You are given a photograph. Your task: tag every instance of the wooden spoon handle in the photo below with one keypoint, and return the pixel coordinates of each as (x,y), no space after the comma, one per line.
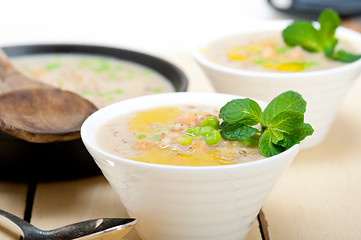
(6,68)
(12,78)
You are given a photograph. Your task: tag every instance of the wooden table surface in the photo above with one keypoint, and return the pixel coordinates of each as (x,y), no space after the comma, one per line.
(317,198)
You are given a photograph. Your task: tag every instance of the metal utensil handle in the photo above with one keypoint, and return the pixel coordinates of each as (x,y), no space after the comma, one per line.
(15,223)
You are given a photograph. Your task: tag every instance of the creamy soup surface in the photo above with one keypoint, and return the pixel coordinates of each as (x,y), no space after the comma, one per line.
(102,80)
(267,52)
(171,135)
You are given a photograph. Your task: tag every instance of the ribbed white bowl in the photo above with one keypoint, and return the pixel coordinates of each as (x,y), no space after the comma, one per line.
(186,203)
(323,90)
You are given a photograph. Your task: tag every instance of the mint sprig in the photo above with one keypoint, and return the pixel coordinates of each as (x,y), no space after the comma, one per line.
(302,33)
(282,122)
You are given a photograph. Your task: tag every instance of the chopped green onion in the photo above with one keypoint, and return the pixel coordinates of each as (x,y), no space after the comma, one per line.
(141,136)
(102,65)
(149,73)
(118,91)
(155,137)
(86,93)
(205,130)
(60,82)
(185,140)
(107,94)
(84,62)
(210,121)
(259,61)
(130,74)
(119,67)
(249,141)
(157,90)
(282,50)
(112,76)
(52,66)
(193,130)
(213,137)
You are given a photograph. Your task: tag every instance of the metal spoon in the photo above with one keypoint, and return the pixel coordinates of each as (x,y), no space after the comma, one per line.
(97,229)
(37,112)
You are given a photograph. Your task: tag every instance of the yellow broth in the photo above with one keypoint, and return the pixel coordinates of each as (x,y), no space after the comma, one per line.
(267,52)
(153,135)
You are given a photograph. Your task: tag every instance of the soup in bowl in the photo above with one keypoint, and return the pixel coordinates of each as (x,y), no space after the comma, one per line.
(103,80)
(201,187)
(254,61)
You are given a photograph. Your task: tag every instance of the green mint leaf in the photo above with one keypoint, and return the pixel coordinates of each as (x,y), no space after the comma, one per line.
(242,111)
(302,33)
(287,101)
(267,147)
(329,22)
(275,135)
(296,136)
(329,46)
(237,132)
(344,56)
(287,121)
(251,141)
(284,123)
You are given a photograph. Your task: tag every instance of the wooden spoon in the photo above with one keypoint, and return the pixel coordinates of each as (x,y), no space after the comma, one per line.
(37,112)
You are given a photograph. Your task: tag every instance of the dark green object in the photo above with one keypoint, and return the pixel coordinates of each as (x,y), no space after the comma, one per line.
(282,122)
(302,33)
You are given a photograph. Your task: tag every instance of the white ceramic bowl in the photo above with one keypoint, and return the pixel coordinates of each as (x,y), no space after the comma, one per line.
(323,90)
(180,202)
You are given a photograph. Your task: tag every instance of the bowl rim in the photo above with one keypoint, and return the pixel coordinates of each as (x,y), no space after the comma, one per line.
(145,59)
(260,26)
(86,132)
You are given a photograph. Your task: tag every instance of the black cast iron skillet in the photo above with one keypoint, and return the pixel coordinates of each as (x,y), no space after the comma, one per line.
(25,161)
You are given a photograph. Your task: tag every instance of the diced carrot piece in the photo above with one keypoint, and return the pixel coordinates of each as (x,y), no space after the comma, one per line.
(199,146)
(37,73)
(143,145)
(189,119)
